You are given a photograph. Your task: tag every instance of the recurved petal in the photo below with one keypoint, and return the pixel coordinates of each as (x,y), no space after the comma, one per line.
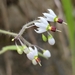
(40,30)
(43,20)
(35,51)
(49,17)
(46,14)
(52,12)
(41,25)
(37,24)
(30,55)
(31,49)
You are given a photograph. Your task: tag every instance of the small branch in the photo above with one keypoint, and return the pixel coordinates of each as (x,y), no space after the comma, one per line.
(26,26)
(14,35)
(13,47)
(25,41)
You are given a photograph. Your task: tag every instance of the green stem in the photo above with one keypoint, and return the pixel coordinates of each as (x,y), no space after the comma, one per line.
(7,32)
(14,35)
(40,54)
(12,47)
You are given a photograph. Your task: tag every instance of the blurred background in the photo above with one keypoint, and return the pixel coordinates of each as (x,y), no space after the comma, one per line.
(13,15)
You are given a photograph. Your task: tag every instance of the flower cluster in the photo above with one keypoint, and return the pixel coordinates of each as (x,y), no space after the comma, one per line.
(32,52)
(43,25)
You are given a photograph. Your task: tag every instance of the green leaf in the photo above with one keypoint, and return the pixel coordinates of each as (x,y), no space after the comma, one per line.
(44,38)
(71,26)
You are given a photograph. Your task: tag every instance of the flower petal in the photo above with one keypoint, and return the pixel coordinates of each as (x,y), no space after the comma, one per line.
(30,48)
(36,51)
(43,20)
(52,12)
(49,17)
(41,25)
(40,30)
(30,55)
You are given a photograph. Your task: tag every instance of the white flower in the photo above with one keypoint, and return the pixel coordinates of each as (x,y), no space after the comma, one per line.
(46,53)
(51,16)
(42,25)
(32,53)
(33,56)
(51,40)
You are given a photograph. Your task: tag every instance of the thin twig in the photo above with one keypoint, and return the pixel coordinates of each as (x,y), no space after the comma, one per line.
(14,35)
(26,26)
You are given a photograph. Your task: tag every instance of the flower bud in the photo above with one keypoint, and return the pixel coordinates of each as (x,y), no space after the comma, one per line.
(51,40)
(46,53)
